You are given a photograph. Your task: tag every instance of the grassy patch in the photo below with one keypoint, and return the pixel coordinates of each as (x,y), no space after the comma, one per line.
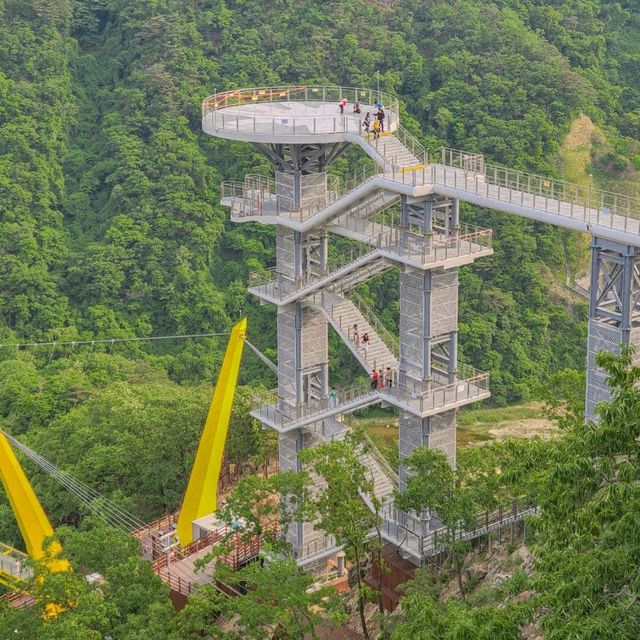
(474,425)
(485,424)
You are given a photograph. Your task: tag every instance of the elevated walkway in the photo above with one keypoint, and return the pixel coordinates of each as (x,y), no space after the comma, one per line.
(309,115)
(351,217)
(423,539)
(284,416)
(469,385)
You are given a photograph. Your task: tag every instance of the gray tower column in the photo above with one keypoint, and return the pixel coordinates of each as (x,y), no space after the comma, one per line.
(614,311)
(303,370)
(428,335)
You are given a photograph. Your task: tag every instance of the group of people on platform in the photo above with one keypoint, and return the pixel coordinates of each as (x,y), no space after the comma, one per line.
(380,379)
(377,127)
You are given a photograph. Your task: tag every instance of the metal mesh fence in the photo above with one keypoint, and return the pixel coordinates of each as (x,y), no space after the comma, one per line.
(602,337)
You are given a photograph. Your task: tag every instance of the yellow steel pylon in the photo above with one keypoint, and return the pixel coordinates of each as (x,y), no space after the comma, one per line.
(200,498)
(32,520)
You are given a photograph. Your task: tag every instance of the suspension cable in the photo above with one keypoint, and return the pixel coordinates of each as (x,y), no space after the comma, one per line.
(110,513)
(74,343)
(262,357)
(102,507)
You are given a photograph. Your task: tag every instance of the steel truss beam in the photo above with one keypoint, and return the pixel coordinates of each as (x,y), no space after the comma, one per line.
(305,158)
(614,311)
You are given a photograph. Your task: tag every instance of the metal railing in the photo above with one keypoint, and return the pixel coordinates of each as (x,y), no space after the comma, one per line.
(418,397)
(277,411)
(424,397)
(421,247)
(425,541)
(336,307)
(314,548)
(557,197)
(466,160)
(391,341)
(281,287)
(382,462)
(14,563)
(282,123)
(412,144)
(259,200)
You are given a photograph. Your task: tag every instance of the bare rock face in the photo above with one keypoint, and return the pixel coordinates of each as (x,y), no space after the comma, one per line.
(524,556)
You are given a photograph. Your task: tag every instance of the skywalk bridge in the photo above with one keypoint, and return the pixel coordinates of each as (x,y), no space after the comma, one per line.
(403,211)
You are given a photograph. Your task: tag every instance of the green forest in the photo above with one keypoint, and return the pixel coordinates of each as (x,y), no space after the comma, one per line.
(111,228)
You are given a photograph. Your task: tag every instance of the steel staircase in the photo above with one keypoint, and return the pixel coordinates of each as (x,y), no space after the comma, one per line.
(282,290)
(391,151)
(342,313)
(385,478)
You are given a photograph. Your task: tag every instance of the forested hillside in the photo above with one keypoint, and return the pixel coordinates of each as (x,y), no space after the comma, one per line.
(111,227)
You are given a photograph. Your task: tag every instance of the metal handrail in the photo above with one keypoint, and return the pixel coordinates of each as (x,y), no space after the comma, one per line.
(559,192)
(416,148)
(388,470)
(348,122)
(483,522)
(419,396)
(430,395)
(258,181)
(285,412)
(14,563)
(282,286)
(392,342)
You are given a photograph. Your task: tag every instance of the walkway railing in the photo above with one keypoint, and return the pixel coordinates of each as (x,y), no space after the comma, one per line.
(315,548)
(469,385)
(13,564)
(424,248)
(269,408)
(392,342)
(528,189)
(260,198)
(426,397)
(383,463)
(282,123)
(428,542)
(281,287)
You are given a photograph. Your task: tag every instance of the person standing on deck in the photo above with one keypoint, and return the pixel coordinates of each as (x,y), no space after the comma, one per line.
(374,379)
(380,380)
(366,123)
(380,116)
(389,378)
(343,105)
(376,129)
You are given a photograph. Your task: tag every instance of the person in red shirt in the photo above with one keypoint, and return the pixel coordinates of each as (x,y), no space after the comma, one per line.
(374,379)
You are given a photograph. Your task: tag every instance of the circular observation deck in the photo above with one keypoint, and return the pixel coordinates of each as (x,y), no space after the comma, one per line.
(296,115)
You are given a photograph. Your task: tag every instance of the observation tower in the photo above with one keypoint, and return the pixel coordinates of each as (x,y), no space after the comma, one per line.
(401,209)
